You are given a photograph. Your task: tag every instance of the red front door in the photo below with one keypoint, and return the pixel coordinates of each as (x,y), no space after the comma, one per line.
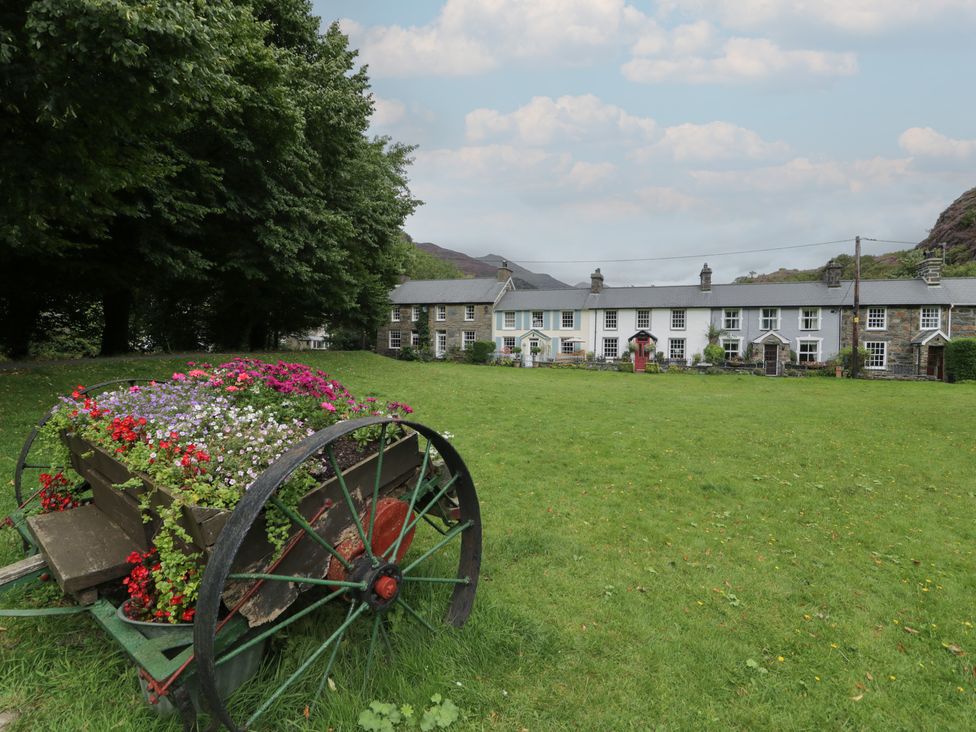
(641,354)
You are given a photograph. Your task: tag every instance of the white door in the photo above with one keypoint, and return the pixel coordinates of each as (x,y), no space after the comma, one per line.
(440,347)
(527,355)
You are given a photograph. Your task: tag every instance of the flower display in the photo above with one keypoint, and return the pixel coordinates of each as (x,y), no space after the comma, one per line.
(205,435)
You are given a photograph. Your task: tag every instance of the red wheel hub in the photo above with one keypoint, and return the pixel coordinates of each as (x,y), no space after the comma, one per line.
(391,515)
(385,587)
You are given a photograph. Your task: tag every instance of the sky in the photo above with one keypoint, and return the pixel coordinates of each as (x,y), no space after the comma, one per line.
(566,134)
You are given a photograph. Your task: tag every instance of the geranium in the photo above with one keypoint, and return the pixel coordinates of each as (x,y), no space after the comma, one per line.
(146,602)
(56,493)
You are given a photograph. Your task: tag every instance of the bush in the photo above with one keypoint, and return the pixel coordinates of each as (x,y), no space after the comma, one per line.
(714,353)
(845,357)
(652,368)
(481,351)
(407,354)
(960,357)
(625,366)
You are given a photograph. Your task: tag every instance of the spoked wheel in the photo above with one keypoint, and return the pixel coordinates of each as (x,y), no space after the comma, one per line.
(35,459)
(400,531)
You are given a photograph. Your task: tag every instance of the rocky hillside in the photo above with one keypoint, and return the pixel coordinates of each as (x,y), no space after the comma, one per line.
(956,227)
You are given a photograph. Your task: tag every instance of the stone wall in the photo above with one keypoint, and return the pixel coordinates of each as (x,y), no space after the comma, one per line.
(454,324)
(964,322)
(902,326)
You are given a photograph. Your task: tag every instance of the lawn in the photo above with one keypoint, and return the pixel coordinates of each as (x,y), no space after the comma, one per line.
(661,552)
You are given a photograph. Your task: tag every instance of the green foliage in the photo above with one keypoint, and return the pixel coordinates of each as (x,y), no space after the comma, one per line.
(420,265)
(846,360)
(440,715)
(960,356)
(714,353)
(480,351)
(386,717)
(625,365)
(652,367)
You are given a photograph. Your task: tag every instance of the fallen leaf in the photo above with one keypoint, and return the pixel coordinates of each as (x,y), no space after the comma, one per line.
(306,712)
(909,630)
(953,648)
(857,698)
(868,676)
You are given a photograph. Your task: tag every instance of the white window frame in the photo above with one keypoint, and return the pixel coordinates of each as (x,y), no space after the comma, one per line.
(468,337)
(879,323)
(441,313)
(801,324)
(538,318)
(395,340)
(508,320)
(732,319)
(415,313)
(414,338)
(679,319)
(871,347)
(673,344)
(927,310)
(510,343)
(469,312)
(643,319)
(610,316)
(440,342)
(395,314)
(563,318)
(568,347)
(737,342)
(799,349)
(763,319)
(616,347)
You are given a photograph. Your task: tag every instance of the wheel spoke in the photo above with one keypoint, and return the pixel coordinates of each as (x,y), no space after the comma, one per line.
(376,483)
(372,648)
(449,536)
(413,501)
(434,526)
(433,501)
(274,629)
(416,616)
(332,658)
(296,580)
(306,663)
(349,502)
(300,521)
(439,580)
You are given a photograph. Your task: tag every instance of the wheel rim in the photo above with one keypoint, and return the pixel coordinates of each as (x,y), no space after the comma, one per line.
(380,578)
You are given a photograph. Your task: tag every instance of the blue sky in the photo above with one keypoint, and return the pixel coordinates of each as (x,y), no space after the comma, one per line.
(604,130)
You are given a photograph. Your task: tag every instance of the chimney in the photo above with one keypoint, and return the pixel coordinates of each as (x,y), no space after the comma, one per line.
(930,268)
(706,279)
(831,275)
(596,282)
(504,271)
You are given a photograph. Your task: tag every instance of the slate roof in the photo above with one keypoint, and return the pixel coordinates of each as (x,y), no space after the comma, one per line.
(955,291)
(442,292)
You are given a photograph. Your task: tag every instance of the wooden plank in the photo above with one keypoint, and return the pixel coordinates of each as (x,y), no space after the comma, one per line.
(121,509)
(82,547)
(17,570)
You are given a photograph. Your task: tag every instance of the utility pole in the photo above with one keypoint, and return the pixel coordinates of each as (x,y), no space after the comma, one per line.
(855,336)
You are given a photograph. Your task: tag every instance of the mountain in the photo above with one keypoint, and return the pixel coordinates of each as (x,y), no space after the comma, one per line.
(487,266)
(956,228)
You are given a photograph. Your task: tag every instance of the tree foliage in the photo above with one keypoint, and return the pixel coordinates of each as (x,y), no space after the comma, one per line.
(200,170)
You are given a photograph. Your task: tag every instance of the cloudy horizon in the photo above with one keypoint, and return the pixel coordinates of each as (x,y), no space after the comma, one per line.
(559,131)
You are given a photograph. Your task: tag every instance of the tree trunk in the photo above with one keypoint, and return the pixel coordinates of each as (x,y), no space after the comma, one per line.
(22,312)
(116,307)
(258,339)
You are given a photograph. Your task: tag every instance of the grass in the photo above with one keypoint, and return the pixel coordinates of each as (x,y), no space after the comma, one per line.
(661,552)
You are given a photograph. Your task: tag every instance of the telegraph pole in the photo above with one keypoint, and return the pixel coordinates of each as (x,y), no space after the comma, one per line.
(855,336)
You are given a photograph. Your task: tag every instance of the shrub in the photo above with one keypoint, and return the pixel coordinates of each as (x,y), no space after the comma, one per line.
(481,351)
(845,357)
(714,353)
(961,359)
(625,366)
(652,368)
(696,359)
(407,354)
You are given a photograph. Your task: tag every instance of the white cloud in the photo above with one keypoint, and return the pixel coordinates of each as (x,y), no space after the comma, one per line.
(926,142)
(850,16)
(509,163)
(741,60)
(473,36)
(545,120)
(585,175)
(711,142)
(387,112)
(804,174)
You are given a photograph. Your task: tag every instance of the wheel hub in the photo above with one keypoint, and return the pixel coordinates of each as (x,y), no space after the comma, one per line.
(382,583)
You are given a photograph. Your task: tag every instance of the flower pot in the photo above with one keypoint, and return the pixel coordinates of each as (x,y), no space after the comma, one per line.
(230,675)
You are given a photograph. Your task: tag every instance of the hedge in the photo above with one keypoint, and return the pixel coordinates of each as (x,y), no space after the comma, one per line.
(961,359)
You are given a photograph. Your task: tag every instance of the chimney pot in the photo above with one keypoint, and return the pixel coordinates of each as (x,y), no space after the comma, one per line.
(706,278)
(832,274)
(930,268)
(504,271)
(596,282)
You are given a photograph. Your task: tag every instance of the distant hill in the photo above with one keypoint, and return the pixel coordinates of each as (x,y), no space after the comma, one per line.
(487,266)
(955,227)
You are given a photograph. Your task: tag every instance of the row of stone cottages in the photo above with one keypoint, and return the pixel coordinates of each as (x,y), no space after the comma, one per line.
(905,323)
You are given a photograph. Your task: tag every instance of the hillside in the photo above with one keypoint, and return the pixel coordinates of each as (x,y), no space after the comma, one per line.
(955,227)
(487,266)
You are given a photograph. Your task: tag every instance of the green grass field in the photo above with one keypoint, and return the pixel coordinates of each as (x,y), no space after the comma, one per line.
(661,552)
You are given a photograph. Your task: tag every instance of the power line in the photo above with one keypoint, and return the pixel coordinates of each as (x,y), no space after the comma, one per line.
(888,241)
(683,256)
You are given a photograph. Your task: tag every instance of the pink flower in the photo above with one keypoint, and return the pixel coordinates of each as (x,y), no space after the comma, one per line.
(232,388)
(134,389)
(179,377)
(328,406)
(198,373)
